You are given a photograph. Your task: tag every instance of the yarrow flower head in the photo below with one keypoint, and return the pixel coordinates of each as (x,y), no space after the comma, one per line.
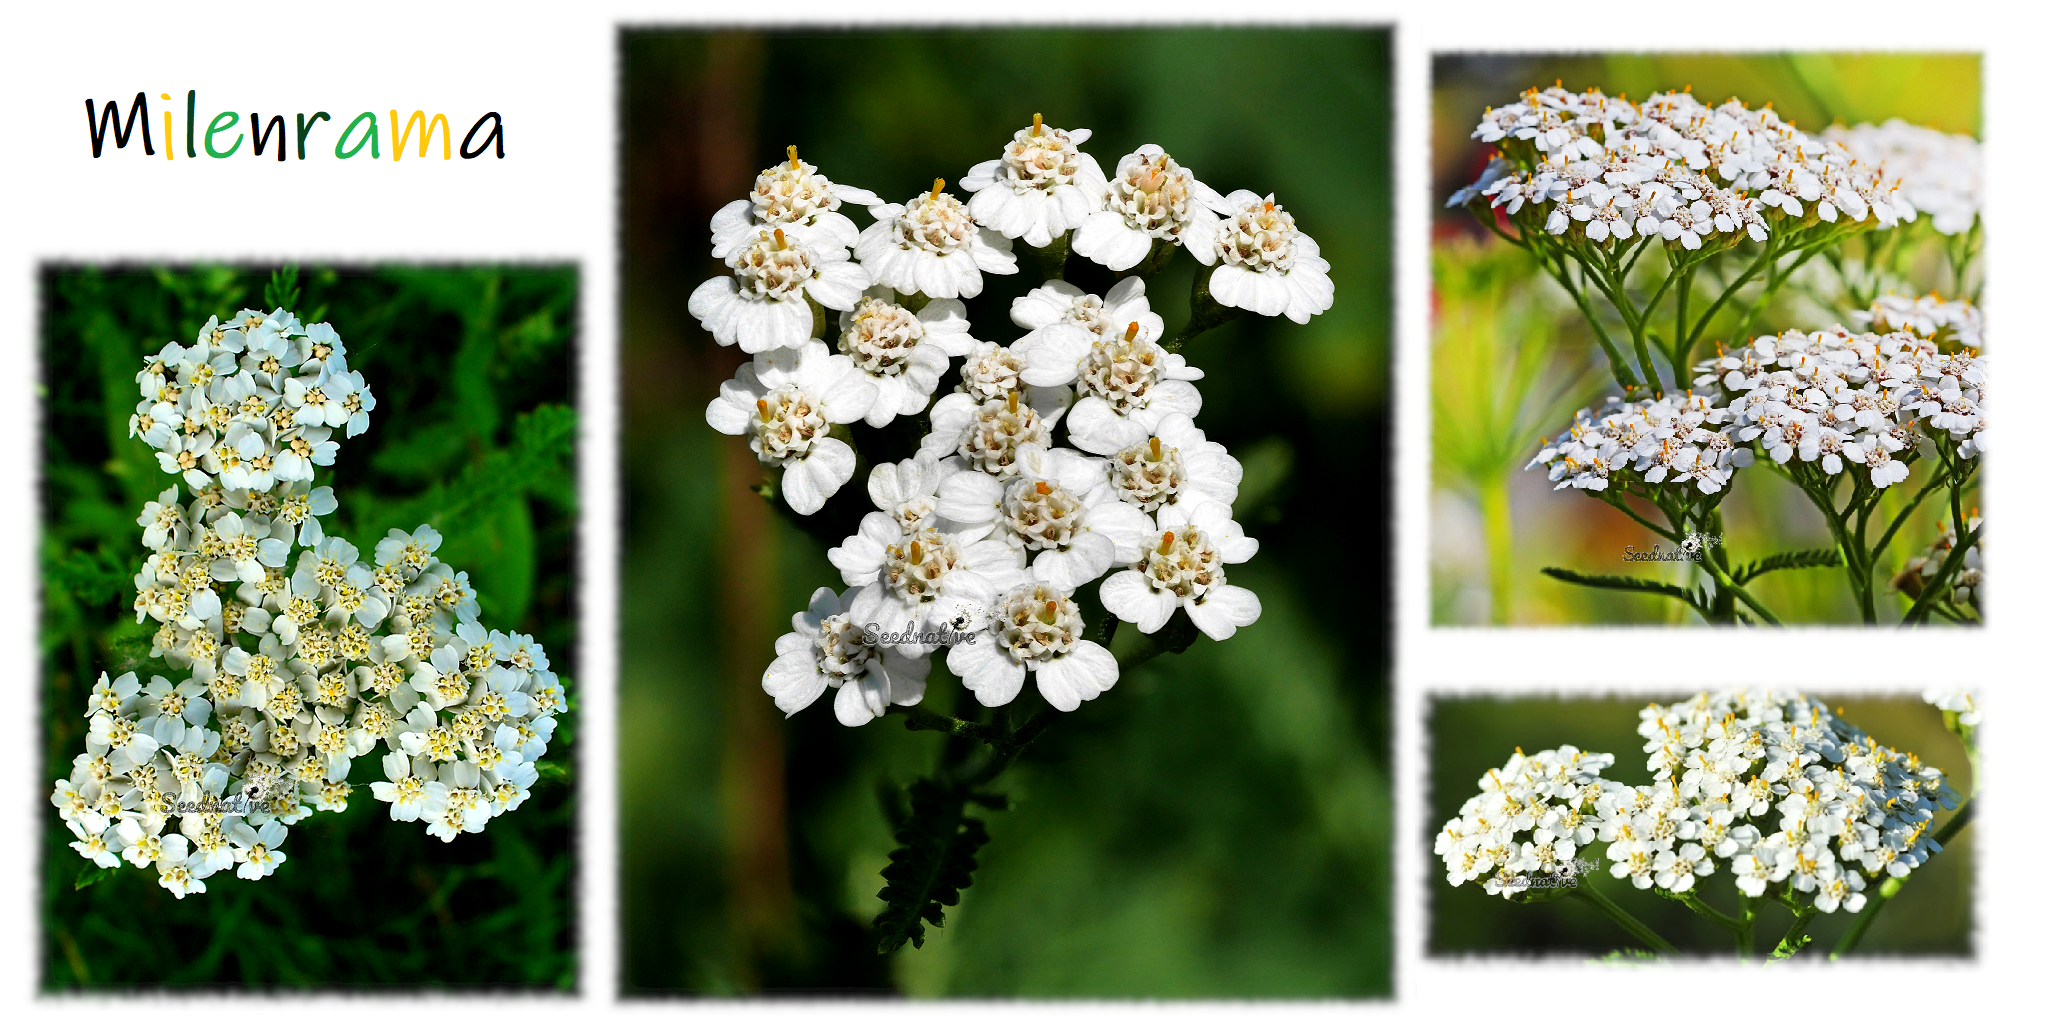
(1265,264)
(1697,177)
(786,402)
(903,353)
(832,644)
(1533,815)
(1041,187)
(794,196)
(296,655)
(1151,201)
(1066,456)
(762,306)
(1677,440)
(931,245)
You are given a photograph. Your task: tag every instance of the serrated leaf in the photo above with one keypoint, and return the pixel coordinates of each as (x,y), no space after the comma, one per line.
(1623,583)
(935,860)
(92,874)
(1788,561)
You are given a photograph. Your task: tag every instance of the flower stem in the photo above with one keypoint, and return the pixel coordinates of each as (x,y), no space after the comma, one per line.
(1587,893)
(1205,313)
(1793,940)
(1725,921)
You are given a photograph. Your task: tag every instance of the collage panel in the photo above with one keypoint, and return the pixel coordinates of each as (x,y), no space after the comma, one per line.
(1707,344)
(308,627)
(1006,386)
(1763,823)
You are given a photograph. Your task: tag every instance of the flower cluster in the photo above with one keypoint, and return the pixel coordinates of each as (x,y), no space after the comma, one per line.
(297,655)
(1602,168)
(1530,819)
(1765,784)
(1835,400)
(1065,456)
(1677,439)
(1940,172)
(1840,400)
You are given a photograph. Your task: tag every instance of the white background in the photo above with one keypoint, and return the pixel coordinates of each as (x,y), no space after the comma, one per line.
(554,77)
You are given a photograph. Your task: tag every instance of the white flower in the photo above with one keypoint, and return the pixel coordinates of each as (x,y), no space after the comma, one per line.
(903,353)
(826,648)
(763,305)
(1185,569)
(1125,382)
(1055,509)
(1057,303)
(795,197)
(987,435)
(1266,265)
(256,849)
(925,579)
(904,494)
(1176,467)
(1041,187)
(1036,628)
(992,372)
(1150,198)
(931,245)
(785,401)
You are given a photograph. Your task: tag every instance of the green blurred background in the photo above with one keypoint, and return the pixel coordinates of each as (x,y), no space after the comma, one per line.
(1218,824)
(472,368)
(1932,915)
(1513,358)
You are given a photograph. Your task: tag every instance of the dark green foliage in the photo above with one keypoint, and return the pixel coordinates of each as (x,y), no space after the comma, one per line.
(933,863)
(474,432)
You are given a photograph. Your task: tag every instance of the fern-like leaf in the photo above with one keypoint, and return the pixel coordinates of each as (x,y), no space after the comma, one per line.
(1623,583)
(1828,558)
(934,862)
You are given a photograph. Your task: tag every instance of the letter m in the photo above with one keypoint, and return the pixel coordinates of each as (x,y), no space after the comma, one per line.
(97,123)
(427,132)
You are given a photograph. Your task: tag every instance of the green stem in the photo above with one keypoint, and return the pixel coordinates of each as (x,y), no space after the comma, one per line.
(1619,369)
(1205,313)
(1793,940)
(1696,903)
(1682,343)
(1587,893)
(1767,256)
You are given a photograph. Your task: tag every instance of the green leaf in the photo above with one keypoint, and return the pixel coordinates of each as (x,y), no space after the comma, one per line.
(933,863)
(93,873)
(1825,558)
(1625,584)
